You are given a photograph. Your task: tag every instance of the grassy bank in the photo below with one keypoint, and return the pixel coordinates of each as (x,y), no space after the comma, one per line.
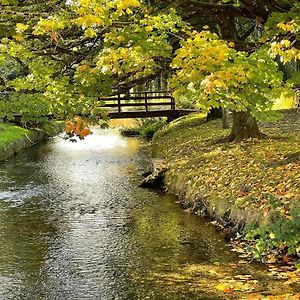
(15,138)
(252,187)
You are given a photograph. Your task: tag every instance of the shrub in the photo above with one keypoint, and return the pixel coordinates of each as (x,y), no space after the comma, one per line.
(147,127)
(282,234)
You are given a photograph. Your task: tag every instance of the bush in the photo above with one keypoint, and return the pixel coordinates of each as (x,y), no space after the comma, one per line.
(282,234)
(147,127)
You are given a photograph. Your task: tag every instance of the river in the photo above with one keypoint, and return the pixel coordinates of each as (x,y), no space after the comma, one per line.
(75,225)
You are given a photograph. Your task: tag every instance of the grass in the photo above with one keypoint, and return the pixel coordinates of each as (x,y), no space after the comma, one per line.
(10,133)
(15,138)
(144,127)
(249,185)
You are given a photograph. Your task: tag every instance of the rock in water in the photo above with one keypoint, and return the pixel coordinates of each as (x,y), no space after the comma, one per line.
(157,177)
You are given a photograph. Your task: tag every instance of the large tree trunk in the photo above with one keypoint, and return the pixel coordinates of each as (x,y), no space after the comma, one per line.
(214,114)
(244,126)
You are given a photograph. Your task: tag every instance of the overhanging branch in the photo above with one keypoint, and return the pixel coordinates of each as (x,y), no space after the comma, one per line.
(202,8)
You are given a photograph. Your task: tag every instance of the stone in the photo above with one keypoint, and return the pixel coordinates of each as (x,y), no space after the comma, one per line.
(154,180)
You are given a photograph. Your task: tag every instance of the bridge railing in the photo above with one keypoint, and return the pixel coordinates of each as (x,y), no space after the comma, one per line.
(146,101)
(143,104)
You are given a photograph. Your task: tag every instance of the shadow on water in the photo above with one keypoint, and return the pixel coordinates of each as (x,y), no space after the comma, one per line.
(74,225)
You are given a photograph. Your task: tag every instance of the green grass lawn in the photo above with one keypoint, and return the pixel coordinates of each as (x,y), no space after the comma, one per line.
(9,133)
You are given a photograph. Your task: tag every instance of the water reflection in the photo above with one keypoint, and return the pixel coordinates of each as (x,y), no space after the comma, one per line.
(123,123)
(74,225)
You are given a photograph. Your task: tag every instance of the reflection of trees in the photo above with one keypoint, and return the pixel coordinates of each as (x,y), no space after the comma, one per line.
(167,242)
(26,234)
(166,234)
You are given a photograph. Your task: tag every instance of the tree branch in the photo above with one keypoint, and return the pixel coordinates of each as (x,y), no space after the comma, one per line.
(212,9)
(121,88)
(247,33)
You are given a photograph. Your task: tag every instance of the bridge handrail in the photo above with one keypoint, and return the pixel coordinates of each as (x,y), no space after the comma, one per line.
(142,99)
(167,92)
(135,98)
(139,99)
(153,92)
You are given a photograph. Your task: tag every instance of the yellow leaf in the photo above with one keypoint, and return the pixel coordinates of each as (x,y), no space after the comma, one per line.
(289,195)
(125,4)
(98,10)
(123,53)
(19,37)
(224,288)
(21,27)
(85,3)
(90,32)
(286,43)
(286,27)
(121,38)
(149,28)
(272,236)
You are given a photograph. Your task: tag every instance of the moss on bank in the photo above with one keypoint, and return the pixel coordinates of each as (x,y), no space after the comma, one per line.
(253,186)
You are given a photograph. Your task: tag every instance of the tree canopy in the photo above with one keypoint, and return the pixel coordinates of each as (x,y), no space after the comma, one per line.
(59,57)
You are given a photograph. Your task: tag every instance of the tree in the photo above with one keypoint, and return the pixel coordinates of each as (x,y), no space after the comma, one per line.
(225,16)
(212,73)
(85,50)
(65,60)
(283,35)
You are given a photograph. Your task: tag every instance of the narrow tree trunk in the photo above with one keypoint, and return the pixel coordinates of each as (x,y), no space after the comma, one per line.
(214,114)
(244,126)
(225,119)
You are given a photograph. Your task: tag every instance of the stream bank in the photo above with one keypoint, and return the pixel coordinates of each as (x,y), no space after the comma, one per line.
(251,187)
(14,139)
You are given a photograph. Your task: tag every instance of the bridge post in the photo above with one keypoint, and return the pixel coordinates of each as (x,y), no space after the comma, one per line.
(174,114)
(119,103)
(173,106)
(146,102)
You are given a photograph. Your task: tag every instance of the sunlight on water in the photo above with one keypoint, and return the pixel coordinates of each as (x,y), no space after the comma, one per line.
(99,140)
(91,164)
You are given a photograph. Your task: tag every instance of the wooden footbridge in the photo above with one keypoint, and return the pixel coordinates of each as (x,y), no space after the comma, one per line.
(138,105)
(143,105)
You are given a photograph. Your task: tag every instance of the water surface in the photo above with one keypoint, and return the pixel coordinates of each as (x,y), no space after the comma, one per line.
(75,225)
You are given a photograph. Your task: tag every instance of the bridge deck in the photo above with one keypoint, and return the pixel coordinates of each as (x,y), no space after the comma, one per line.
(150,114)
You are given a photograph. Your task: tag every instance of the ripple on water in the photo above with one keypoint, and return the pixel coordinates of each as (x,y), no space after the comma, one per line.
(74,225)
